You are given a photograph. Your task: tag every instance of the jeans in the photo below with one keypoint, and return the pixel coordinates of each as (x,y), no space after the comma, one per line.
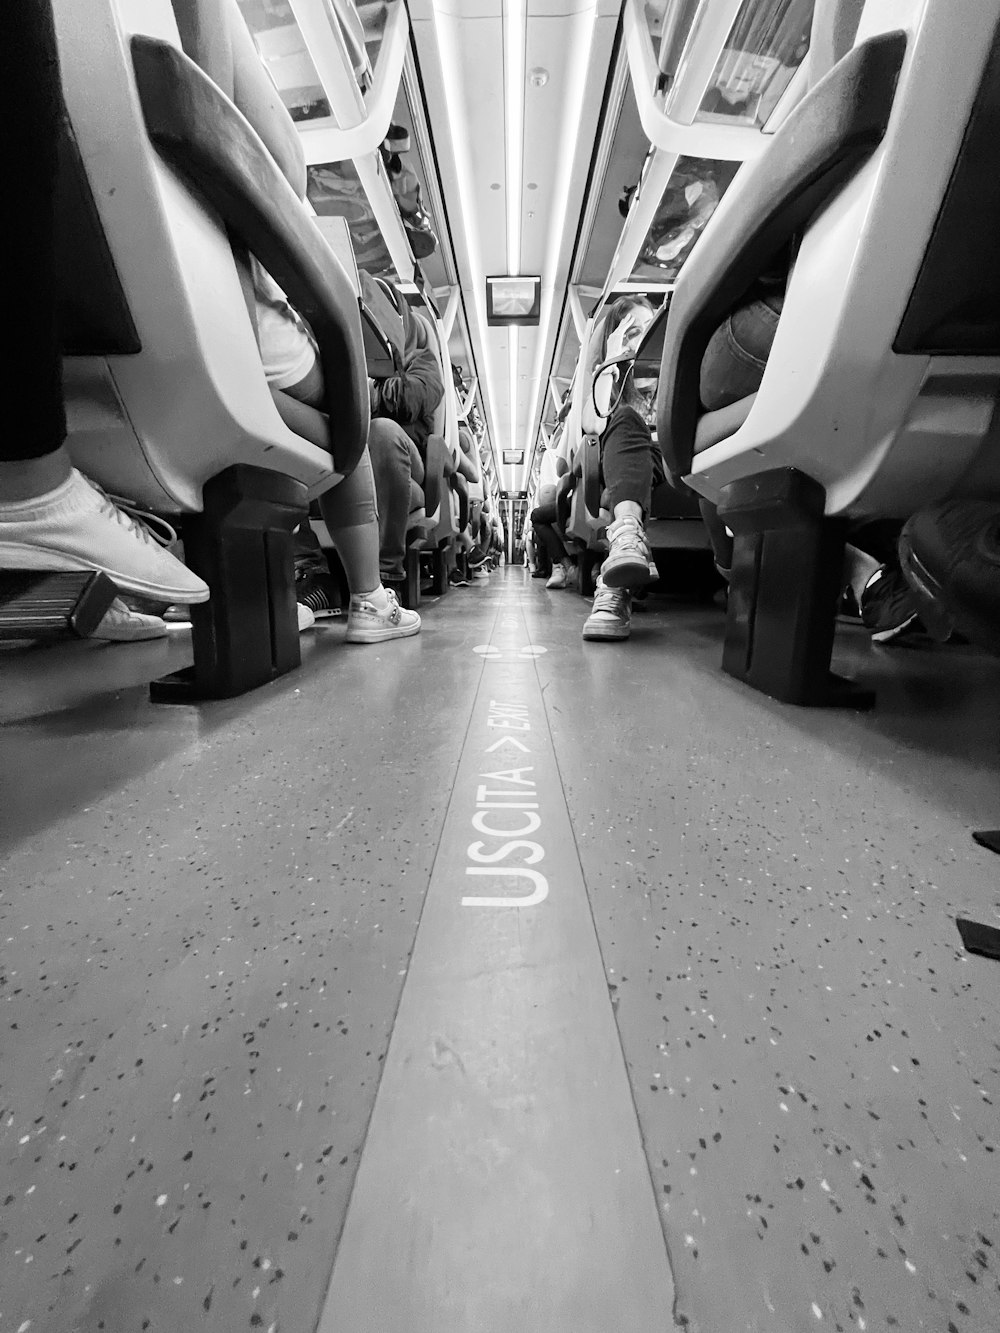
(732,368)
(734,361)
(31,360)
(631,467)
(399,473)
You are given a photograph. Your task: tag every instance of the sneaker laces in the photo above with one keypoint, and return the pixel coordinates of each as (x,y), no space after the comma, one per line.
(136,520)
(613,600)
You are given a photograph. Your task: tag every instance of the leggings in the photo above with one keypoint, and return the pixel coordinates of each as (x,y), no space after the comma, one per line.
(30,109)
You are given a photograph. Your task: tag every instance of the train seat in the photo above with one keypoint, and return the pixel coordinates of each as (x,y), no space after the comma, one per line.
(881,388)
(166,190)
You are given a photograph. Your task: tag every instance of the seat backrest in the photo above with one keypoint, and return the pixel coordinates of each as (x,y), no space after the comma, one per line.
(470,467)
(446,413)
(155,415)
(884,374)
(583,417)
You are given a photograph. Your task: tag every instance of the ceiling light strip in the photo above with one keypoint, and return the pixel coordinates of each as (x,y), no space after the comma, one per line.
(514,28)
(463,211)
(512,358)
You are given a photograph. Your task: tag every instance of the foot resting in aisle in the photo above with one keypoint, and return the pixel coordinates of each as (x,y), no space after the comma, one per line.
(76,526)
(611,616)
(376,616)
(563,574)
(950,557)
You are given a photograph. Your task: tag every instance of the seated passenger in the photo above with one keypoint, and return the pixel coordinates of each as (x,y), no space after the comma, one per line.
(631,466)
(51,517)
(403,407)
(731,369)
(548,532)
(950,558)
(288,349)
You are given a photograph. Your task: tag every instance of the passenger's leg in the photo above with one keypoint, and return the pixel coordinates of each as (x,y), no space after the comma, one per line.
(627,468)
(351,514)
(50,516)
(950,556)
(389,447)
(734,361)
(30,366)
(871,569)
(543,521)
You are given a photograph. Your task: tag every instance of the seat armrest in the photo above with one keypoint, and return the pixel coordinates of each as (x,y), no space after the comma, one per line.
(435,472)
(825,139)
(590,468)
(379,360)
(211,144)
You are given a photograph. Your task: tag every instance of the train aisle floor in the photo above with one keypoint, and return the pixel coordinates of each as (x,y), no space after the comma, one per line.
(491,980)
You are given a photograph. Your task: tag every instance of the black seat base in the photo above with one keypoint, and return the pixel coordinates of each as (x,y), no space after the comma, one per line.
(784,590)
(988,838)
(46,604)
(440,565)
(241,544)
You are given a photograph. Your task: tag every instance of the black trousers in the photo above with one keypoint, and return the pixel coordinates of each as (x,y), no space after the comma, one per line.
(30,108)
(543,520)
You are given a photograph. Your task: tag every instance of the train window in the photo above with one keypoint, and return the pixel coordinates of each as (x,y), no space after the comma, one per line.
(691,197)
(283,51)
(767,44)
(373,16)
(335,190)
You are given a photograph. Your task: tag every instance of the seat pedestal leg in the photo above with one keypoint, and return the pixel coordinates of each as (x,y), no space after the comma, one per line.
(783,593)
(439,571)
(242,545)
(411,585)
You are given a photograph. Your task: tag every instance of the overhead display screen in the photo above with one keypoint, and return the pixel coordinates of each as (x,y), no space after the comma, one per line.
(513,300)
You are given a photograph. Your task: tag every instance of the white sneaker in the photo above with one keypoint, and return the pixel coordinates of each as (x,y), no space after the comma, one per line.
(480,575)
(611,616)
(123,625)
(76,526)
(627,564)
(367,624)
(307,618)
(557,579)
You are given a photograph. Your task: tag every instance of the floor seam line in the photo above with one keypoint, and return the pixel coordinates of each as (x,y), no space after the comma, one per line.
(600,950)
(399,999)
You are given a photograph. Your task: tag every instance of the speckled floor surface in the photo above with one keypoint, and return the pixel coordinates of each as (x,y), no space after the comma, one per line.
(207,916)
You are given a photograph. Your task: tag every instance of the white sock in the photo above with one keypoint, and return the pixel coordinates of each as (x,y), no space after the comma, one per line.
(378,598)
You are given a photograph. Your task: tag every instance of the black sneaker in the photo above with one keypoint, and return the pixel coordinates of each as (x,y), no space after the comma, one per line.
(888,610)
(950,557)
(319,594)
(458,579)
